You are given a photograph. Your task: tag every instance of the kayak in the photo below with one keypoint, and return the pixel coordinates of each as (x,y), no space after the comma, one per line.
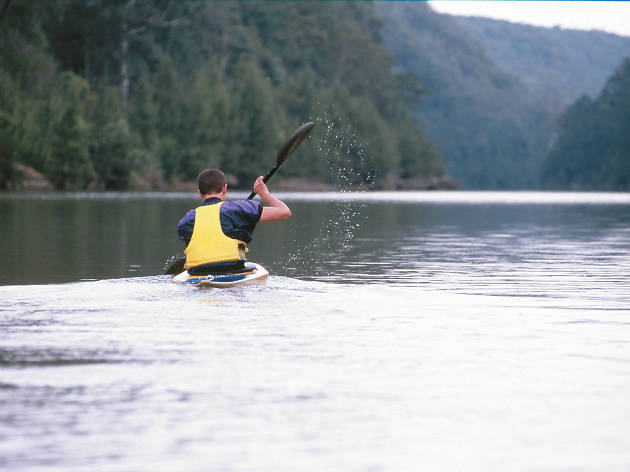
(251,273)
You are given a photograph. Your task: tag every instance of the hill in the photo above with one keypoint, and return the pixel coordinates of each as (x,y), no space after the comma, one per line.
(110,95)
(494,89)
(592,151)
(558,64)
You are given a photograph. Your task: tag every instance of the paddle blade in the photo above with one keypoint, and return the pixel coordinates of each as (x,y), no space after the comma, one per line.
(175,267)
(293,142)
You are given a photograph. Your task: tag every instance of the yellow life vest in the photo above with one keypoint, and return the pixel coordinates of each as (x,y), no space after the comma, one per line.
(208,243)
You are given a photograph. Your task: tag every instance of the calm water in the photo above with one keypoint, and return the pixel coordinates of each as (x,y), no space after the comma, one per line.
(397,332)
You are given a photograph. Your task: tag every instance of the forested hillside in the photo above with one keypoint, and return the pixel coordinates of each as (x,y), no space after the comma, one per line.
(117,94)
(592,151)
(557,64)
(142,94)
(495,89)
(490,128)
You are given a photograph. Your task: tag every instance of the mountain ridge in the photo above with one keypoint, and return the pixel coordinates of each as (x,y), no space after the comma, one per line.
(495,122)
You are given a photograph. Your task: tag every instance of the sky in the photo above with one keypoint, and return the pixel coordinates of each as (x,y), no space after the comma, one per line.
(609,16)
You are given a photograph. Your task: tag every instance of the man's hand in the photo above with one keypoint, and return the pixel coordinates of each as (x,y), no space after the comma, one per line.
(276,209)
(260,187)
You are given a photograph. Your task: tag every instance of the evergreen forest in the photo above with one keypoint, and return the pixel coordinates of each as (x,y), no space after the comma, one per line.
(592,151)
(140,94)
(118,94)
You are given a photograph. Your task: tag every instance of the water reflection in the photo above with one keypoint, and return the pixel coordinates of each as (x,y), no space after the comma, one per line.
(401,238)
(459,247)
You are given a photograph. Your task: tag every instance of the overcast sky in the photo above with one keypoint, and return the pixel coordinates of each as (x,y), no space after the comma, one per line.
(613,17)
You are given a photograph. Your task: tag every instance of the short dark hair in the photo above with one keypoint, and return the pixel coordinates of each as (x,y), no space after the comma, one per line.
(211,181)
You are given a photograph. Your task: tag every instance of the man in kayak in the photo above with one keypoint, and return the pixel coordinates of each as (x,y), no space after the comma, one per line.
(216,233)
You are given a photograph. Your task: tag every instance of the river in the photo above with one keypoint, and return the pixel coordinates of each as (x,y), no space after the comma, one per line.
(396,332)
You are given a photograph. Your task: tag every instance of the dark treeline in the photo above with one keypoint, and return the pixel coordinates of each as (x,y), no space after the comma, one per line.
(119,94)
(592,151)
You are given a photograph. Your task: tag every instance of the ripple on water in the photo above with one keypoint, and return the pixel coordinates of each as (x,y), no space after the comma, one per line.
(421,344)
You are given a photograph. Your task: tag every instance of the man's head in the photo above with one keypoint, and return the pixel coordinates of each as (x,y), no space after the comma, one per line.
(211,181)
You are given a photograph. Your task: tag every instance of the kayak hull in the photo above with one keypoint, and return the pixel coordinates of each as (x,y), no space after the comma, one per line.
(254,274)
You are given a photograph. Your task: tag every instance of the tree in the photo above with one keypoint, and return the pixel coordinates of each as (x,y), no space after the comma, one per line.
(167,99)
(110,142)
(255,123)
(418,156)
(592,150)
(8,130)
(69,167)
(205,140)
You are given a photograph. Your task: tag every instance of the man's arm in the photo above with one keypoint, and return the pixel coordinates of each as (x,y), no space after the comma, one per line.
(275,210)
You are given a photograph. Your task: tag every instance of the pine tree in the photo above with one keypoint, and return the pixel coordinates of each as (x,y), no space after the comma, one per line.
(110,141)
(69,167)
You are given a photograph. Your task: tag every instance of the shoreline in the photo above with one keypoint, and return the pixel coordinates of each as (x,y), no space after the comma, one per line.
(34,181)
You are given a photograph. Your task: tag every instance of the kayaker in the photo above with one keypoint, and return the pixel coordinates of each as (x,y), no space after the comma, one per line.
(216,234)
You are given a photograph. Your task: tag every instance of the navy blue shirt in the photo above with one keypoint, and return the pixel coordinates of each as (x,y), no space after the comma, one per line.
(238,219)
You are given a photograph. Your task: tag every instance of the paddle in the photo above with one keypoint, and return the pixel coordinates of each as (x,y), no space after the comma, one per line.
(299,135)
(285,151)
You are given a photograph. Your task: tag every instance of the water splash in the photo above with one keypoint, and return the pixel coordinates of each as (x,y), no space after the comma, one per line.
(349,169)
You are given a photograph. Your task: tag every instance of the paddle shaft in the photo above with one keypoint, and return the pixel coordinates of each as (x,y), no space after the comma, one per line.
(265,179)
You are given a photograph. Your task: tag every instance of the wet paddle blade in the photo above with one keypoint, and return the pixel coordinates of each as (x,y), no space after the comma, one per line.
(176,267)
(293,142)
(291,145)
